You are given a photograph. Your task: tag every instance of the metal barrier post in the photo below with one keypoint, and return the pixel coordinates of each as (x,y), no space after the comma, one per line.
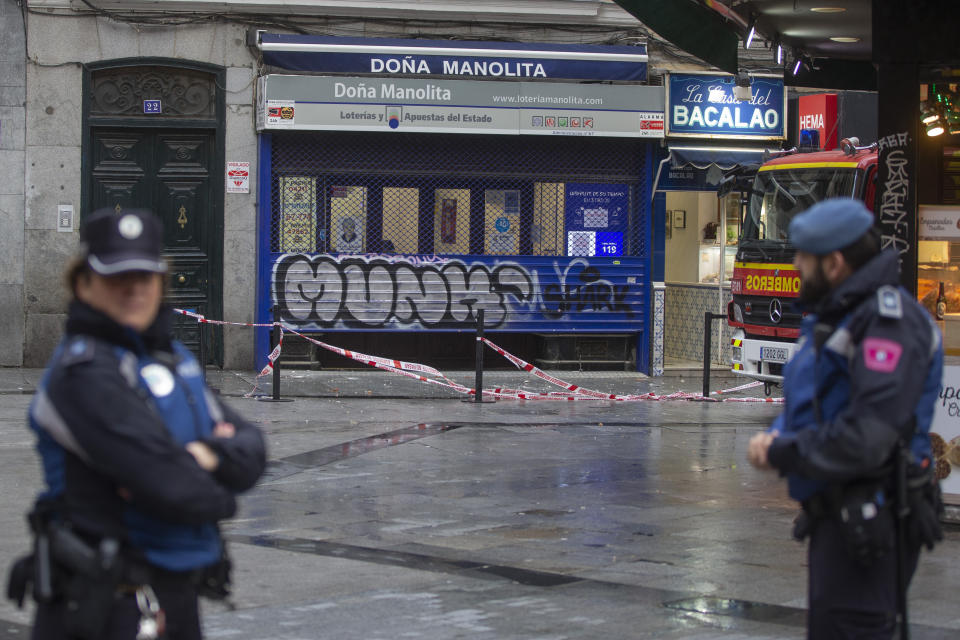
(275,340)
(203,349)
(276,363)
(478,360)
(707,347)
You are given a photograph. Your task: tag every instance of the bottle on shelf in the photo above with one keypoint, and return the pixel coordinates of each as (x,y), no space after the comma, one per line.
(941,303)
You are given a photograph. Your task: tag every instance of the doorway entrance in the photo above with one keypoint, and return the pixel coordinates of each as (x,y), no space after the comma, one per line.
(154,141)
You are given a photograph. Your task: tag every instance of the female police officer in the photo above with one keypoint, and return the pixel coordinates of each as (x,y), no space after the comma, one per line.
(140,459)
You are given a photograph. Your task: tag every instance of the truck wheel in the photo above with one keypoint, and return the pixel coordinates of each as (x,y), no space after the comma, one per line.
(768,389)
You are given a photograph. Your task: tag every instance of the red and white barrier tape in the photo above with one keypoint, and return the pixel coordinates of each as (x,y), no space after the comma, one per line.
(415,370)
(268,368)
(580,392)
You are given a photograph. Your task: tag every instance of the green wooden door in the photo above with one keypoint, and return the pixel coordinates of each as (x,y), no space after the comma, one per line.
(169,172)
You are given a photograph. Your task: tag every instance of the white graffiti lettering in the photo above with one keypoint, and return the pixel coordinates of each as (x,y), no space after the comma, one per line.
(396,257)
(894,220)
(370,291)
(364,292)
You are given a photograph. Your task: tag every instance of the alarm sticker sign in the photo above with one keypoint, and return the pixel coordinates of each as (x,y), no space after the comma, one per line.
(238,177)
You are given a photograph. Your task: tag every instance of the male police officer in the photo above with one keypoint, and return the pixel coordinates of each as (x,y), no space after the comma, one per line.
(860,392)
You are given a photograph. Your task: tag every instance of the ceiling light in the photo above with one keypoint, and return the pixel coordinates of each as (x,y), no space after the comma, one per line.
(935,128)
(828,9)
(845,39)
(779,57)
(928,113)
(953,124)
(750,34)
(798,64)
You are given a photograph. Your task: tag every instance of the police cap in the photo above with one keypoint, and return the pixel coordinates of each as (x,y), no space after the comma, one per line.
(830,225)
(121,241)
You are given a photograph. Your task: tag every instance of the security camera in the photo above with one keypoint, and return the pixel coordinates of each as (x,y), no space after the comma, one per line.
(741,90)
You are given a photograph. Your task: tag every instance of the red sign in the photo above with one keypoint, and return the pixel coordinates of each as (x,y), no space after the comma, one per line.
(651,125)
(238,176)
(767,280)
(820,112)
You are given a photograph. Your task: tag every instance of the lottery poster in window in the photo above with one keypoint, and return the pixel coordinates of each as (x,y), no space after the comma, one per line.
(546,231)
(451,221)
(298,214)
(502,221)
(598,211)
(448,221)
(348,218)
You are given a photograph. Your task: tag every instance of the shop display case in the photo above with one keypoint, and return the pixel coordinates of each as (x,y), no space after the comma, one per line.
(938,269)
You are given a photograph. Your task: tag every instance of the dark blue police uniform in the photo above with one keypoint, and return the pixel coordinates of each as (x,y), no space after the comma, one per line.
(865,377)
(112,415)
(123,419)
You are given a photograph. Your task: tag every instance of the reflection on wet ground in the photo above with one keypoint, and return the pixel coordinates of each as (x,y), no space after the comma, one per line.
(664,514)
(416,561)
(360,446)
(441,520)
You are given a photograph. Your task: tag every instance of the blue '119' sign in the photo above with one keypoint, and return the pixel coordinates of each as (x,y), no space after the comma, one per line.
(703,105)
(596,218)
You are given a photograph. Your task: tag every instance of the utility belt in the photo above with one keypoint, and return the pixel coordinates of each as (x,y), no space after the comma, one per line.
(869,511)
(88,576)
(864,512)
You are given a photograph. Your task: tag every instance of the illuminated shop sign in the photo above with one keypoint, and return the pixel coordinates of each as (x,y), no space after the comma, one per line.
(703,106)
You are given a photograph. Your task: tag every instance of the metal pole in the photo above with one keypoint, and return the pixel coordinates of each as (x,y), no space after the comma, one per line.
(478,383)
(707,347)
(275,340)
(478,362)
(707,339)
(201,326)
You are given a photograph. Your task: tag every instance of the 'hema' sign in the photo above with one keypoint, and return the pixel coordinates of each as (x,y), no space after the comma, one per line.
(703,106)
(820,112)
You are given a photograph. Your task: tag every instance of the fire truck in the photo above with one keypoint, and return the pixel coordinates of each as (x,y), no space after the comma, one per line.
(764,321)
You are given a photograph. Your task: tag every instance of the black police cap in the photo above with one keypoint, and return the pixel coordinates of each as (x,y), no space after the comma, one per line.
(119,242)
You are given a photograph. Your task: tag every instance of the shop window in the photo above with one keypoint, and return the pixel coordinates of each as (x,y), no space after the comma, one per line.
(546,233)
(730,208)
(401,206)
(698,238)
(451,221)
(502,222)
(298,214)
(457,195)
(938,253)
(348,218)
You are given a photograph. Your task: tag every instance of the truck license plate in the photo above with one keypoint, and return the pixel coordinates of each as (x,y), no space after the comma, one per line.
(773,354)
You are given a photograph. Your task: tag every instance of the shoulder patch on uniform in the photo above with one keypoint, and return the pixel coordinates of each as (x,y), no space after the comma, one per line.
(889,303)
(881,355)
(78,349)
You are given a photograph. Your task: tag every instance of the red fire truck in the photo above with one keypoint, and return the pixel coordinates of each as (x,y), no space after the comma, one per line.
(765,285)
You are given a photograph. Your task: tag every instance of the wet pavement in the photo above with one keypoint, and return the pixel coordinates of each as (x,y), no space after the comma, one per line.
(424,517)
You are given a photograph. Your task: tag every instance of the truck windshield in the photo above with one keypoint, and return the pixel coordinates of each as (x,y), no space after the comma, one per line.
(780,194)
